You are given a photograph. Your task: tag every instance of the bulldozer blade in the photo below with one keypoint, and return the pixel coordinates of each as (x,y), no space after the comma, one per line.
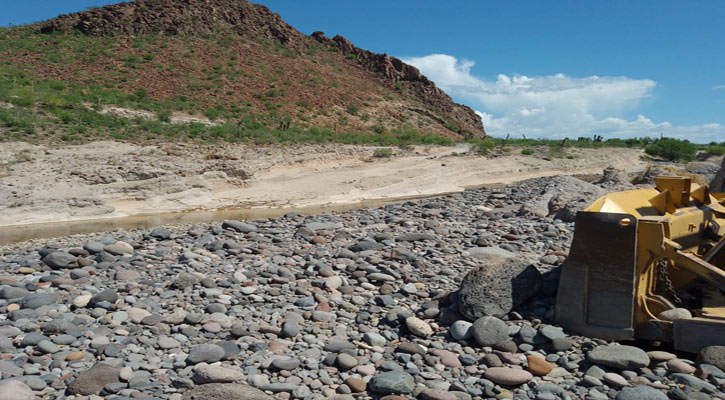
(597,286)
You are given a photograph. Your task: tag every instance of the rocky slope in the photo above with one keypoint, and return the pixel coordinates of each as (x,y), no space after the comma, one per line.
(227,53)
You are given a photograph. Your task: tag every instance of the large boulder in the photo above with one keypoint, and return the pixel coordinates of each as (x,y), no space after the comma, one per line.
(497,287)
(718,183)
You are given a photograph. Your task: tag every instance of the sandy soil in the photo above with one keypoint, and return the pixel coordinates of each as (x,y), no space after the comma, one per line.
(112,179)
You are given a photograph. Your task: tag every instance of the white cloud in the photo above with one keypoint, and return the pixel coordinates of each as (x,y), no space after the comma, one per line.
(718,87)
(556,106)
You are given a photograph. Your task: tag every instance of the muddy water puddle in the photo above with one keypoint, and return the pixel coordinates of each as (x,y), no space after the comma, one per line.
(10,234)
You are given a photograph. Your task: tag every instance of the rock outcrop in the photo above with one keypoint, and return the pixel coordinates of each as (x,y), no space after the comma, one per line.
(461,117)
(718,183)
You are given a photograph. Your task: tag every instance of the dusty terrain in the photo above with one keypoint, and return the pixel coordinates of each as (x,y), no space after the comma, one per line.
(42,183)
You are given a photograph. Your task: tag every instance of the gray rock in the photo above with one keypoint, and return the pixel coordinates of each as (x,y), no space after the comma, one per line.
(239,226)
(94,247)
(496,288)
(160,233)
(118,248)
(37,300)
(287,364)
(695,383)
(208,353)
(461,330)
(552,332)
(12,292)
(618,356)
(225,391)
(392,382)
(374,339)
(324,226)
(641,392)
(60,260)
(48,347)
(490,254)
(488,331)
(365,245)
(94,379)
(107,295)
(15,390)
(33,338)
(36,383)
(675,314)
(713,355)
(337,346)
(216,374)
(346,361)
(290,329)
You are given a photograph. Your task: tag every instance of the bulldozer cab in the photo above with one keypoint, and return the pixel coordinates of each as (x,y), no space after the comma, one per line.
(638,254)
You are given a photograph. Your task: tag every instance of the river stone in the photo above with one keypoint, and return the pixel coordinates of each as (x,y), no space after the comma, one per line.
(436,394)
(205,353)
(615,379)
(346,361)
(356,385)
(641,392)
(538,366)
(392,382)
(619,356)
(677,365)
(108,295)
(693,382)
(462,330)
(160,233)
(15,390)
(239,226)
(508,376)
(37,300)
(496,288)
(225,391)
(287,364)
(675,314)
(418,327)
(118,249)
(60,259)
(713,355)
(374,339)
(94,379)
(488,331)
(216,374)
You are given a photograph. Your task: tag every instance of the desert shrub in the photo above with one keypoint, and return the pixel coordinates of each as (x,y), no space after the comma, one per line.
(383,153)
(527,152)
(672,149)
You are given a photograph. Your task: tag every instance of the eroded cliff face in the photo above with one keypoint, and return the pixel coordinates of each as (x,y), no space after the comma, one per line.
(210,18)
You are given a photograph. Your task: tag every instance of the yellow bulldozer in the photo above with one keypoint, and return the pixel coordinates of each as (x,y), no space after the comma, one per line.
(648,264)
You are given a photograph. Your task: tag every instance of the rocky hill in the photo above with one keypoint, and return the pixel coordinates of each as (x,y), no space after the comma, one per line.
(212,62)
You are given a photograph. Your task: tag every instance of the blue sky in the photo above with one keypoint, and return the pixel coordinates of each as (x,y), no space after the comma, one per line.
(535,68)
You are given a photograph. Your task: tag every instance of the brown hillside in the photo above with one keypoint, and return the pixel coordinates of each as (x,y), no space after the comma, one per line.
(231,58)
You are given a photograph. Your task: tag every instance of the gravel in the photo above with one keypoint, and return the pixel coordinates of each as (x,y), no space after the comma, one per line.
(356,304)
